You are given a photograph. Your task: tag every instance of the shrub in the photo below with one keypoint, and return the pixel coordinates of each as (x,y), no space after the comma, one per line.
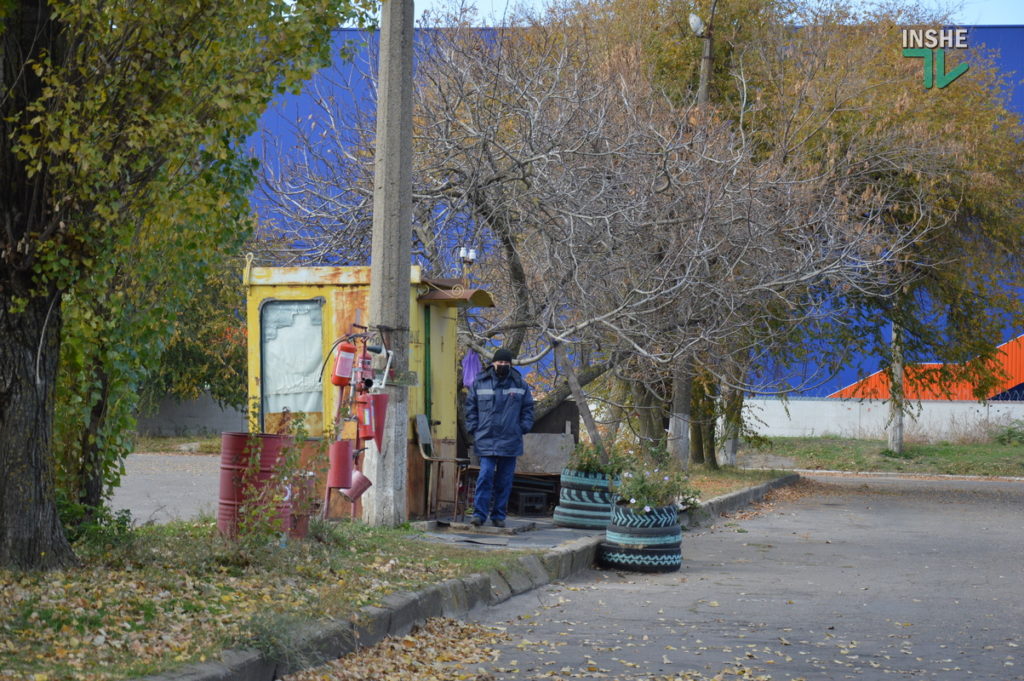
(1012,434)
(651,479)
(587,458)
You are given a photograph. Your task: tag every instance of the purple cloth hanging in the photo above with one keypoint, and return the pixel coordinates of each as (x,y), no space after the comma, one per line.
(471,368)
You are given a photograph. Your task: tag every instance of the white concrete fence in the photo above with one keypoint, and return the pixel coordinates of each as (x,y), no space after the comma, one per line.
(932,421)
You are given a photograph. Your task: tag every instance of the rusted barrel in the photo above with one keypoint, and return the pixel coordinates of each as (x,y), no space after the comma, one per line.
(236,486)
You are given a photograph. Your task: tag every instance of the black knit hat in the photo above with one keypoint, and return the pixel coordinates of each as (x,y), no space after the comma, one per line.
(502,355)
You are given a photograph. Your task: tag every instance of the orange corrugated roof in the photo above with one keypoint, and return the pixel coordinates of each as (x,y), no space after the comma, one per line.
(876,386)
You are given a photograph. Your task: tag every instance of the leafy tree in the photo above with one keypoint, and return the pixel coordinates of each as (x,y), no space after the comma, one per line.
(207,351)
(822,84)
(116,124)
(958,188)
(118,342)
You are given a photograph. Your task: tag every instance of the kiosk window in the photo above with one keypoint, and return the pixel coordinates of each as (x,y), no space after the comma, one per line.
(291,346)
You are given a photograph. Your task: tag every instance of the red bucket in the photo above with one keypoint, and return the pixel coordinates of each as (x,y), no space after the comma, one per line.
(360,483)
(379,402)
(340,474)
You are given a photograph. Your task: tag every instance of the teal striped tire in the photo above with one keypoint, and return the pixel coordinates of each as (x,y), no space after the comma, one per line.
(585,496)
(584,500)
(654,536)
(648,559)
(659,516)
(583,479)
(642,542)
(580,520)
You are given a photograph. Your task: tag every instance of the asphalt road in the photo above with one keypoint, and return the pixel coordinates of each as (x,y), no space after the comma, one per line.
(161,487)
(861,579)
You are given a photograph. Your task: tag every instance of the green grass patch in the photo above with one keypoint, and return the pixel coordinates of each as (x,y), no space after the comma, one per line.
(178,593)
(848,454)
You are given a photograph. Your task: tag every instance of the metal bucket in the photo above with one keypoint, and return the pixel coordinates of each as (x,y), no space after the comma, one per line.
(360,483)
(379,402)
(339,476)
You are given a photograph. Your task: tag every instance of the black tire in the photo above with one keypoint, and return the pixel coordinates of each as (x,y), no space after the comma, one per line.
(584,501)
(580,520)
(647,536)
(585,496)
(649,559)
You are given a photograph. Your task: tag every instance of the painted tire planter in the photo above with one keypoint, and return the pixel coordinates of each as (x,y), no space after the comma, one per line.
(584,500)
(642,542)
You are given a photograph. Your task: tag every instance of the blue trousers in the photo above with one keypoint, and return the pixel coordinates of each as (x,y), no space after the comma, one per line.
(493,486)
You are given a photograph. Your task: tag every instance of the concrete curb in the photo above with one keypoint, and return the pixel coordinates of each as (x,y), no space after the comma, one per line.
(818,472)
(732,501)
(320,642)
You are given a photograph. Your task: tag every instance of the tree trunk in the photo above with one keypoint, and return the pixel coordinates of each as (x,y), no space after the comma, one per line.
(31,535)
(710,456)
(561,392)
(733,421)
(708,424)
(680,417)
(618,410)
(562,357)
(896,393)
(696,430)
(90,471)
(648,412)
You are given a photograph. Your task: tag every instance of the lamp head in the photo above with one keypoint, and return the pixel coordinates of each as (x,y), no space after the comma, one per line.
(697,25)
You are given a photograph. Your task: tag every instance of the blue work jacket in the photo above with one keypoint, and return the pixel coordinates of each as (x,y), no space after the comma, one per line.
(499,411)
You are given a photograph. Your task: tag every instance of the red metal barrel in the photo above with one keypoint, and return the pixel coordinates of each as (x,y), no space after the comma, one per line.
(236,486)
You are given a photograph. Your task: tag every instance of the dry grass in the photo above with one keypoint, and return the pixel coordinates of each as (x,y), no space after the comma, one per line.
(149,598)
(158,596)
(716,483)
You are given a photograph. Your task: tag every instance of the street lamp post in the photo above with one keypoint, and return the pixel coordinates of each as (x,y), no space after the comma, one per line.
(704,32)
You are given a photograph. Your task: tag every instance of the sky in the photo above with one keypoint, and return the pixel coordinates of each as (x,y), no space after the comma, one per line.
(972,12)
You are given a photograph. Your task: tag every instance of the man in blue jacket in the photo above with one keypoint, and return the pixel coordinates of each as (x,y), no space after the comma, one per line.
(499,411)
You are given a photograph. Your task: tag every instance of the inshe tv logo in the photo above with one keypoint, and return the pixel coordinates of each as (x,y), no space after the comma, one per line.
(930,44)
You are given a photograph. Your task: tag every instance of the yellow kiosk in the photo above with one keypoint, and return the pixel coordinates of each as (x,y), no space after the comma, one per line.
(295,315)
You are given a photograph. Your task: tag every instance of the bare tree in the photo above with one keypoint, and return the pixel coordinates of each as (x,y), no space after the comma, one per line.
(609,217)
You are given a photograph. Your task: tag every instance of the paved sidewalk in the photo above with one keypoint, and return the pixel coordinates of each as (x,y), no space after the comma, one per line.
(867,578)
(161,487)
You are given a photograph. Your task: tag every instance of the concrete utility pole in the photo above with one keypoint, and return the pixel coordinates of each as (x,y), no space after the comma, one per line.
(391,255)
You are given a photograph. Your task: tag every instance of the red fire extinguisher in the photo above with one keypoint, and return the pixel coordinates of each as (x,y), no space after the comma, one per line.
(346,356)
(366,367)
(364,411)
